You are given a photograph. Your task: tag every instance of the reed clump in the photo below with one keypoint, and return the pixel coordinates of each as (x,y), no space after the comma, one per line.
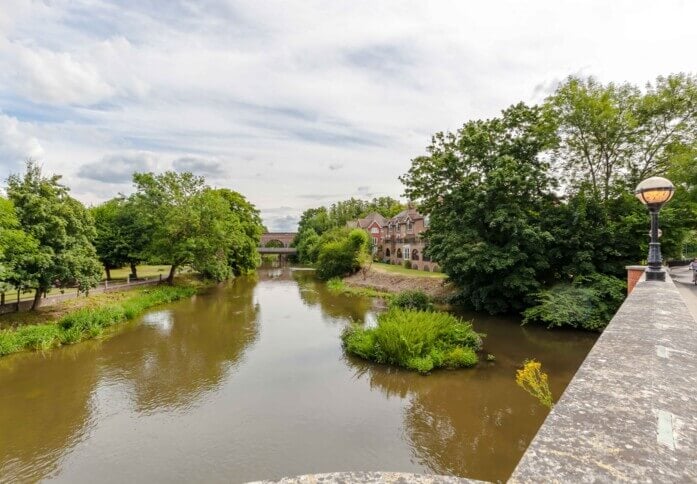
(416,340)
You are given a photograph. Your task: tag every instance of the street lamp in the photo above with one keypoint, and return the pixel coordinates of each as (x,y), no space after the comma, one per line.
(654,192)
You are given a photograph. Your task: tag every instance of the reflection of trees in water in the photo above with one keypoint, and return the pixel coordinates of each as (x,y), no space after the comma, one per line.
(45,408)
(190,348)
(466,422)
(46,401)
(314,292)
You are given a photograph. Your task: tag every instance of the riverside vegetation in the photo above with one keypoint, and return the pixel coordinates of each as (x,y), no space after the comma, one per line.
(416,340)
(88,323)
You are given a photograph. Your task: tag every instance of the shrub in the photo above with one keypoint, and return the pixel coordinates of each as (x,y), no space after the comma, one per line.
(343,256)
(407,264)
(416,340)
(589,303)
(418,300)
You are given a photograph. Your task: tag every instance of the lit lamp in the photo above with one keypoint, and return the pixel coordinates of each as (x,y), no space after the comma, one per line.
(654,192)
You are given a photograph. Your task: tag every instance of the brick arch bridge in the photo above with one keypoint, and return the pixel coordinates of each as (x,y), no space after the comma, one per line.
(277,243)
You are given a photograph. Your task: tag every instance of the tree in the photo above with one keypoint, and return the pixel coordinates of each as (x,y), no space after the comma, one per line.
(244,240)
(192,224)
(485,188)
(342,256)
(18,253)
(112,242)
(62,228)
(613,136)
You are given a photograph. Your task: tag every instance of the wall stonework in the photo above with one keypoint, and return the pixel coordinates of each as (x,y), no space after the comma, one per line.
(630,412)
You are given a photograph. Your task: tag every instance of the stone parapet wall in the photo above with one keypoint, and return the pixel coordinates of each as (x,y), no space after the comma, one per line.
(630,413)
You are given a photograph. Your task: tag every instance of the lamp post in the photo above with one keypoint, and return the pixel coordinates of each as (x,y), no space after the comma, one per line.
(655,192)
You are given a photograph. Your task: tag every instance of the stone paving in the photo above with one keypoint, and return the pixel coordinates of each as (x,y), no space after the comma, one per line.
(688,290)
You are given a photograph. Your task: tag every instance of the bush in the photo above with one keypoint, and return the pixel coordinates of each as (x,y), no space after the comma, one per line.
(416,340)
(589,303)
(417,300)
(343,256)
(407,264)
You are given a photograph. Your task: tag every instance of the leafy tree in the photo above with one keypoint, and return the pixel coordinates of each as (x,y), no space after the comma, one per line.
(112,242)
(342,256)
(18,252)
(243,255)
(486,187)
(62,228)
(613,136)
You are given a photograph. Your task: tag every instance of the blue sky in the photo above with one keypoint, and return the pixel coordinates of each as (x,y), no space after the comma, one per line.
(296,103)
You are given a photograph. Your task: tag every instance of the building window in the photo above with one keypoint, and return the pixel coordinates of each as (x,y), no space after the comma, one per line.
(414,254)
(387,252)
(399,253)
(374,230)
(410,228)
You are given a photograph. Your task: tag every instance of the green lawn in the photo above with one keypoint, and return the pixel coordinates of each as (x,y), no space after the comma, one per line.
(143,271)
(395,269)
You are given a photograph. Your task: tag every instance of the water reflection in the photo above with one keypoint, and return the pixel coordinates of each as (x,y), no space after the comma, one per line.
(336,306)
(45,408)
(249,381)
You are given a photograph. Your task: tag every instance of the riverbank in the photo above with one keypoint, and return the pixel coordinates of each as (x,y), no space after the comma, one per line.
(376,279)
(78,320)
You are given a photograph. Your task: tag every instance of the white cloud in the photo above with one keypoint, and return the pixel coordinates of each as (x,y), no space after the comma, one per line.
(264,97)
(16,144)
(118,168)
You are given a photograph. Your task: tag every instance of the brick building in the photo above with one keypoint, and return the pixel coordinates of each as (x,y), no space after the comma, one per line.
(398,239)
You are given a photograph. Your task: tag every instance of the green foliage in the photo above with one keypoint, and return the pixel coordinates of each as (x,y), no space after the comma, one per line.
(417,300)
(416,340)
(342,256)
(87,323)
(214,231)
(487,187)
(61,228)
(541,196)
(589,303)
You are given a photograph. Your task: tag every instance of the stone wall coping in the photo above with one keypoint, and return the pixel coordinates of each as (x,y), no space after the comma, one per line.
(630,412)
(371,478)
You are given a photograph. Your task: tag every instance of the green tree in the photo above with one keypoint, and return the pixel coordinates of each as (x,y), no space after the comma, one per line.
(62,228)
(344,255)
(613,136)
(486,187)
(112,241)
(243,256)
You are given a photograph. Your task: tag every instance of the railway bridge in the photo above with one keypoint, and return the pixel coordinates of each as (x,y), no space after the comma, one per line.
(277,243)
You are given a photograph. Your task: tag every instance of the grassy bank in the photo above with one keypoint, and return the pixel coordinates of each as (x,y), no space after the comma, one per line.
(416,340)
(401,270)
(338,286)
(88,322)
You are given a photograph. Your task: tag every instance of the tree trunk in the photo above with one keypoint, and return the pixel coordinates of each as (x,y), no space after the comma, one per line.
(133,270)
(170,278)
(37,299)
(2,299)
(108,272)
(18,290)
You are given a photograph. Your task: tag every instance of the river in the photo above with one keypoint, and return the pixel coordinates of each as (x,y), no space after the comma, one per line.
(249,381)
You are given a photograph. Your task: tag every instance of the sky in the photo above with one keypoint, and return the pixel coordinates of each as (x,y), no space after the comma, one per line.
(296,103)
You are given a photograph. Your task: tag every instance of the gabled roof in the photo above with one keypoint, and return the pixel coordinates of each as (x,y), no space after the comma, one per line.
(364,223)
(404,215)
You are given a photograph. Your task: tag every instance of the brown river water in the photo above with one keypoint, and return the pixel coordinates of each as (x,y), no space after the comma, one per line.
(249,381)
